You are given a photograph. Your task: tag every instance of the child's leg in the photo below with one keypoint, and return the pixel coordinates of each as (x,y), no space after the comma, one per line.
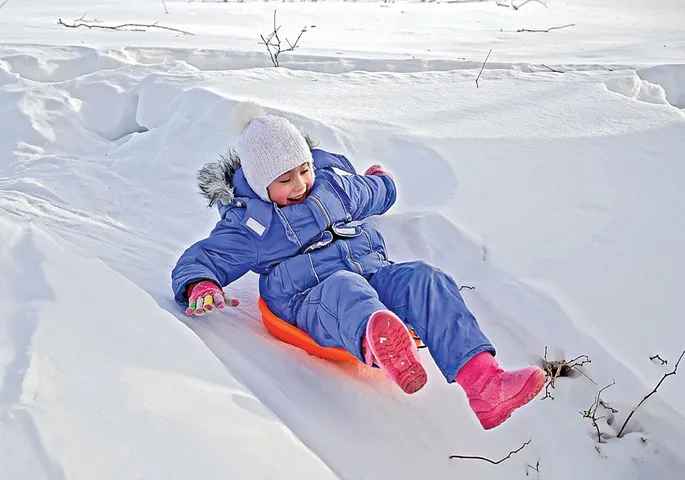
(429,300)
(344,311)
(336,311)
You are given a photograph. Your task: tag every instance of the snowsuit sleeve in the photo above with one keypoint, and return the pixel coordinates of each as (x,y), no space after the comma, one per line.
(227,254)
(368,194)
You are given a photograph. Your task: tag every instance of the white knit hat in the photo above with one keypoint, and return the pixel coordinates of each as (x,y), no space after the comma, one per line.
(268,147)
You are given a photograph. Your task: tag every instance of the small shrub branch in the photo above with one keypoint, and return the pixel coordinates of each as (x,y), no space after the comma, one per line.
(658,357)
(545,30)
(591,413)
(494,462)
(124,26)
(273,43)
(481,68)
(666,375)
(561,368)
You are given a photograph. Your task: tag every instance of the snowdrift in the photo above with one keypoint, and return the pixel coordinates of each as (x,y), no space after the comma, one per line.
(556,200)
(99,381)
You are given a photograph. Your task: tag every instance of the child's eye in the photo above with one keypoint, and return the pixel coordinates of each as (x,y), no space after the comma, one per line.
(284,181)
(304,171)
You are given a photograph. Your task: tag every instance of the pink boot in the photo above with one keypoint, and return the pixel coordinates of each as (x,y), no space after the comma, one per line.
(387,342)
(493,393)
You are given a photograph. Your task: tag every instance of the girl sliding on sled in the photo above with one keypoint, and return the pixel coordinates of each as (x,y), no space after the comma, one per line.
(288,216)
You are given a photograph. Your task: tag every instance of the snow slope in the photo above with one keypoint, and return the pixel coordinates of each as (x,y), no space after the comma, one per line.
(557,197)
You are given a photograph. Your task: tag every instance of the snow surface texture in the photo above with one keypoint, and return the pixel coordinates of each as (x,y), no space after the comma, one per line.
(558,197)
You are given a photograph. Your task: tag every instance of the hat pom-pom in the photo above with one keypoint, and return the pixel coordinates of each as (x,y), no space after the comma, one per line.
(244,113)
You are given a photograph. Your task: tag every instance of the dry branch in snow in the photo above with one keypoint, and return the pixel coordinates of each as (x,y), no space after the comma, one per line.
(494,462)
(273,43)
(536,468)
(547,30)
(516,7)
(551,69)
(481,68)
(469,287)
(136,27)
(658,357)
(561,368)
(632,412)
(591,413)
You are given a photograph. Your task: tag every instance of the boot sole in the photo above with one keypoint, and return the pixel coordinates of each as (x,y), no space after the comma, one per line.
(395,352)
(529,391)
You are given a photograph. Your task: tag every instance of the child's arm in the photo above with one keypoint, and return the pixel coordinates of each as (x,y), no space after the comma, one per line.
(370,194)
(226,255)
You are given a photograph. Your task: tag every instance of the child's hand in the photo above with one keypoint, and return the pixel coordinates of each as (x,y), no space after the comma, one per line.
(378,170)
(205,296)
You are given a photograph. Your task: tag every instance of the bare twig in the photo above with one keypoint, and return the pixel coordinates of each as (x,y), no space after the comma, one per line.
(481,68)
(591,413)
(513,452)
(550,68)
(467,286)
(658,357)
(536,468)
(672,372)
(165,9)
(547,30)
(4,3)
(124,26)
(516,7)
(273,43)
(562,368)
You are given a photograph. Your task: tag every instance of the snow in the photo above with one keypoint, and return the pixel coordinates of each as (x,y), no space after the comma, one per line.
(558,197)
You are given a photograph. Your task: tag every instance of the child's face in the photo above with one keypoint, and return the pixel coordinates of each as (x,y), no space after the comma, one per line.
(291,187)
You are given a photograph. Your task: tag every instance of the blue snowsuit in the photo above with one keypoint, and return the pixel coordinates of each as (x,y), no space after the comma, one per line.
(321,267)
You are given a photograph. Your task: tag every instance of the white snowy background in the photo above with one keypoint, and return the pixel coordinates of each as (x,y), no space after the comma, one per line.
(556,189)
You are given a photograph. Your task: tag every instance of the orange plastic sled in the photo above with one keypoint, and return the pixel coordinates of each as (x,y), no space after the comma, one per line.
(294,336)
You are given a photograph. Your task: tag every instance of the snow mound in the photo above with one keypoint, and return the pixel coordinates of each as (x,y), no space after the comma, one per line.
(632,86)
(672,80)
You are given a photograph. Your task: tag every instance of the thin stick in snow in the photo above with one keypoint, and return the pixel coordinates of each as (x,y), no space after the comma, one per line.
(4,3)
(513,452)
(547,30)
(658,357)
(481,68)
(516,7)
(165,9)
(124,26)
(591,412)
(551,69)
(673,372)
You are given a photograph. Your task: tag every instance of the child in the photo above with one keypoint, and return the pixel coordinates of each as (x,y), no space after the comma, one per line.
(288,216)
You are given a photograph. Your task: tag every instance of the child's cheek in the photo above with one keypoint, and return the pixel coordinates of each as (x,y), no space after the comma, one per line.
(279,193)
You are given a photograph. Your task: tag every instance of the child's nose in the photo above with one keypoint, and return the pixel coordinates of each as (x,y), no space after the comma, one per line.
(300,184)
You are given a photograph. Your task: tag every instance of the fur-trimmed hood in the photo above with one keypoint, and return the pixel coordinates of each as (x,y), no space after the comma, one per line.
(215,179)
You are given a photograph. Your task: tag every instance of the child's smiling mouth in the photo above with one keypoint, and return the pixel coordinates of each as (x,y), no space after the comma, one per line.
(298,199)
